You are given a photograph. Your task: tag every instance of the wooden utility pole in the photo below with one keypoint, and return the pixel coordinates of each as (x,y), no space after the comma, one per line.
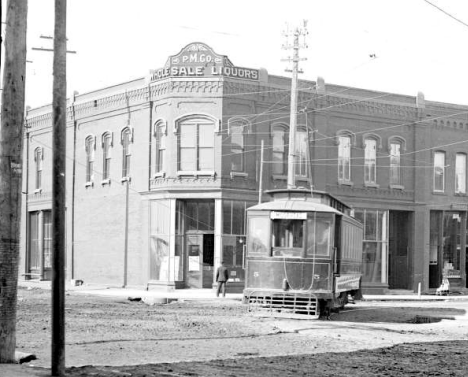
(59,111)
(11,159)
(293,116)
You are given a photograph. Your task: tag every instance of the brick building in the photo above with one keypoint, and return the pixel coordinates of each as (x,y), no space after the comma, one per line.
(161,169)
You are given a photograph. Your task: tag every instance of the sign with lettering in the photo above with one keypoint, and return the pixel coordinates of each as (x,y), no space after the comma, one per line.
(199,60)
(289,215)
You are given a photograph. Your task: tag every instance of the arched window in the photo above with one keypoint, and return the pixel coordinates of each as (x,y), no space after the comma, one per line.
(280,149)
(395,163)
(460,173)
(38,158)
(344,158)
(126,140)
(370,161)
(196,144)
(439,171)
(106,155)
(160,135)
(237,129)
(302,153)
(90,147)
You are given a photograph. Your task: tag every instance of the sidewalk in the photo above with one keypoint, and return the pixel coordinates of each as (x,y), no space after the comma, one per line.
(156,296)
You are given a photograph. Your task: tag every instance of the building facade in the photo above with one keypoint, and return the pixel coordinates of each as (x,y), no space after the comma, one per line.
(161,169)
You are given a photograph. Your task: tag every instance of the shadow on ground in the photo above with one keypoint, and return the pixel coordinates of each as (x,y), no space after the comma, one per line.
(409,359)
(404,314)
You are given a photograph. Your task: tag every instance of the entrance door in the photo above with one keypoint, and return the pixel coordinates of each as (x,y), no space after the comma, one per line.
(398,269)
(200,253)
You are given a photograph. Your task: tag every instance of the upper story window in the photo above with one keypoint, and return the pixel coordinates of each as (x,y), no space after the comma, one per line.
(38,158)
(196,145)
(344,158)
(439,171)
(460,173)
(280,142)
(370,161)
(106,155)
(395,167)
(160,136)
(126,152)
(237,130)
(302,153)
(90,147)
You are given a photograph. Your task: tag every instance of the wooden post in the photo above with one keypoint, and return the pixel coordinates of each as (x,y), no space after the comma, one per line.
(260,184)
(11,161)
(59,110)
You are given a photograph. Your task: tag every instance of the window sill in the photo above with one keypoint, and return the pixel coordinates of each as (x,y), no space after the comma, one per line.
(159,175)
(463,194)
(207,173)
(239,174)
(371,185)
(105,182)
(441,193)
(397,187)
(125,179)
(89,184)
(37,191)
(345,183)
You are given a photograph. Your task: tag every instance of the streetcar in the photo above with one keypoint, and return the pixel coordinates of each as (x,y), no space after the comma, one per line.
(303,255)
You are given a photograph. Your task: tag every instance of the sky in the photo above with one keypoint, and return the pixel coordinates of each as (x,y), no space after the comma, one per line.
(417,47)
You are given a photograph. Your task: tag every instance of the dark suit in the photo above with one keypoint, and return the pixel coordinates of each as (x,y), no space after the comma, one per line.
(222,276)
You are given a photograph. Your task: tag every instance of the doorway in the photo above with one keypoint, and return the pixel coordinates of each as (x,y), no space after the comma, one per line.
(199,260)
(398,253)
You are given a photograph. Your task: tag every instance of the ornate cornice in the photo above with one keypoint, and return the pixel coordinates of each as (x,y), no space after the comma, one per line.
(371,192)
(360,106)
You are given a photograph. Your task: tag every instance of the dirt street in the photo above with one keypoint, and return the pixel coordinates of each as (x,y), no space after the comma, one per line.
(118,337)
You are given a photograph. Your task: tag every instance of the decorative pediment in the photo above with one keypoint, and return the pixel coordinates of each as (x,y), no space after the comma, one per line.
(196,53)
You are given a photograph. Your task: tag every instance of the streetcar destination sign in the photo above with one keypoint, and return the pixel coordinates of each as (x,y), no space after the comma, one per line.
(289,215)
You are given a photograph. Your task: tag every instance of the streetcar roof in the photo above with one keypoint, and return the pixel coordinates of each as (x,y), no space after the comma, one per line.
(294,205)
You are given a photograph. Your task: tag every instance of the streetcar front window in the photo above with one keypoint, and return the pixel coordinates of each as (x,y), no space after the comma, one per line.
(288,238)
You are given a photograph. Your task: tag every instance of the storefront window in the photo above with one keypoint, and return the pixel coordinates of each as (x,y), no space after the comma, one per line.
(159,240)
(375,244)
(234,238)
(451,242)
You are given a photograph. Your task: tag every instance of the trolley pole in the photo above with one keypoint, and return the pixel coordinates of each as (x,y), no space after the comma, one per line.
(59,105)
(293,116)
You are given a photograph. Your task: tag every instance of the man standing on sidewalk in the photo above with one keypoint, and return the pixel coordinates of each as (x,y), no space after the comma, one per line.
(222,276)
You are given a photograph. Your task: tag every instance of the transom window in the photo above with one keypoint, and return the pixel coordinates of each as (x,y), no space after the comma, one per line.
(439,171)
(196,145)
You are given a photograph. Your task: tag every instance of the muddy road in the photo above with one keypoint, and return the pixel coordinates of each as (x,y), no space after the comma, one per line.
(118,337)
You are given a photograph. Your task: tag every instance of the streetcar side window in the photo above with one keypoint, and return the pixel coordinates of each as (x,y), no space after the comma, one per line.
(288,238)
(258,242)
(320,227)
